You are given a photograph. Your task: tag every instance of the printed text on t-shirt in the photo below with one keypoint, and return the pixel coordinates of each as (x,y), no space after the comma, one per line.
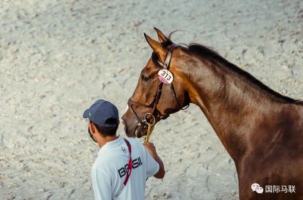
(136,163)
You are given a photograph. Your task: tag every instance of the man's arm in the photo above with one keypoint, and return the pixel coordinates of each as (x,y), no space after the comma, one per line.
(101,184)
(152,151)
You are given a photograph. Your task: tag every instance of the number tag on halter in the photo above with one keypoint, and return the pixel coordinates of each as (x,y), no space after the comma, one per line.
(165,76)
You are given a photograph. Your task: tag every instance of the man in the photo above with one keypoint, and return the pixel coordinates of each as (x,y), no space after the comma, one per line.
(110,172)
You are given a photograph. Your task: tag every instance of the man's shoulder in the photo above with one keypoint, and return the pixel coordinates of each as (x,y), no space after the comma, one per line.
(134,141)
(103,159)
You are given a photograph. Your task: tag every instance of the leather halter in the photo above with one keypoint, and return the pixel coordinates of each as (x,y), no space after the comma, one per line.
(155,102)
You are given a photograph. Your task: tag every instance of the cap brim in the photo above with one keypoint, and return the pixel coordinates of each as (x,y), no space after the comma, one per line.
(85,114)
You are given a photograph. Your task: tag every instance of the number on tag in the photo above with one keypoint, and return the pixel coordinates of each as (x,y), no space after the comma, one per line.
(165,76)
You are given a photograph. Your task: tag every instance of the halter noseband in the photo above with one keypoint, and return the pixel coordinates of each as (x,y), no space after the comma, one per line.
(155,102)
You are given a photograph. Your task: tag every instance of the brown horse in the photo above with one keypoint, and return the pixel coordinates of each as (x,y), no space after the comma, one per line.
(260,129)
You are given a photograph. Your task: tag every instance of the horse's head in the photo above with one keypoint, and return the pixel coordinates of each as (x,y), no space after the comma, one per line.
(151,96)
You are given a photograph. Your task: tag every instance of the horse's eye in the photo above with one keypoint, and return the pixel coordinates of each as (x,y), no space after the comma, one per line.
(144,78)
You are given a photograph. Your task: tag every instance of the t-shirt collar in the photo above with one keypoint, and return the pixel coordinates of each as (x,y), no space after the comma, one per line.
(112,144)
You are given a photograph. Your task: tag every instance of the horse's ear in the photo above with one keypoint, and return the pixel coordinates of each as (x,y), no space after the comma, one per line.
(157,47)
(161,36)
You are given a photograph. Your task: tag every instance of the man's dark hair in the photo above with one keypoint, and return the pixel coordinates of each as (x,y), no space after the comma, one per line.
(107,131)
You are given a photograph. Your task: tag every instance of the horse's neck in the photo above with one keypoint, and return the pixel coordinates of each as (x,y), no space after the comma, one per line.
(229,103)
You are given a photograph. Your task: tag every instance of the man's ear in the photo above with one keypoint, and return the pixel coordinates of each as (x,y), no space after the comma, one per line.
(91,127)
(157,48)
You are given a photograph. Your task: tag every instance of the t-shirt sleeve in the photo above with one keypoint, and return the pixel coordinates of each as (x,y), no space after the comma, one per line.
(101,181)
(152,167)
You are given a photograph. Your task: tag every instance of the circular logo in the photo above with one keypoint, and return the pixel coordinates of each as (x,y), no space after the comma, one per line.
(255,186)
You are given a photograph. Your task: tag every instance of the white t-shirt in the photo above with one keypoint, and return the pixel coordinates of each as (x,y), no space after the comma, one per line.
(109,170)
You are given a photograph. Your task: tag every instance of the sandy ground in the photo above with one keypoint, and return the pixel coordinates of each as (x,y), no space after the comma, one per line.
(58,57)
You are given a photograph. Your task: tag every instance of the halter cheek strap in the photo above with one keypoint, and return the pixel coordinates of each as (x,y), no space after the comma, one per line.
(168,57)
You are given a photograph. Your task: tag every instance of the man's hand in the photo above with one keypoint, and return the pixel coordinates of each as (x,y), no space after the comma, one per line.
(152,151)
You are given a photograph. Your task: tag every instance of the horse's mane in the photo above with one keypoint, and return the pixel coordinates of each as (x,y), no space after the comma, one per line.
(214,57)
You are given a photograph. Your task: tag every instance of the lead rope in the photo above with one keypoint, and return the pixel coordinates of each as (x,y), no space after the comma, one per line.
(149,132)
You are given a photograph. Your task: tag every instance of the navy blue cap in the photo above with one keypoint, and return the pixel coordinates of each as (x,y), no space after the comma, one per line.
(100,111)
